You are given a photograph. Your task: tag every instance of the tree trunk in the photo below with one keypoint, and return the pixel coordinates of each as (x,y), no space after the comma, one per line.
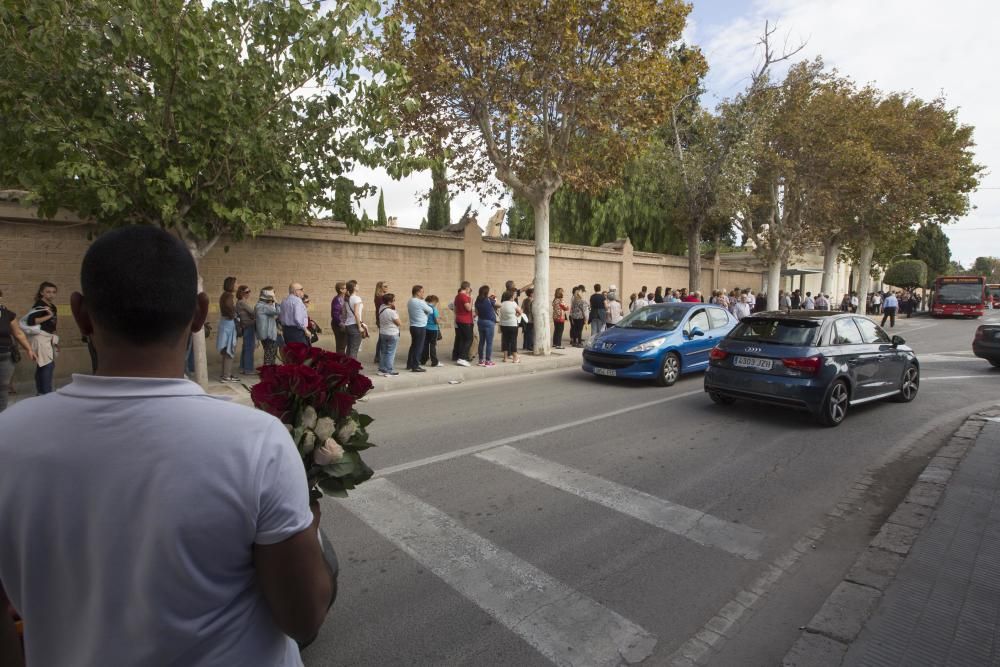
(694,256)
(773,281)
(864,272)
(198,346)
(542,297)
(831,248)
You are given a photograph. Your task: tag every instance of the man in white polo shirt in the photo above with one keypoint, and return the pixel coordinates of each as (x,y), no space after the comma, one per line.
(143,521)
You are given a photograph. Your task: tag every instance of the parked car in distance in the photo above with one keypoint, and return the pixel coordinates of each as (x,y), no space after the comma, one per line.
(821,361)
(986,343)
(658,342)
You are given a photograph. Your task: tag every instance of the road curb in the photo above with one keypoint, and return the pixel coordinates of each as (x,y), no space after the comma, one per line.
(824,641)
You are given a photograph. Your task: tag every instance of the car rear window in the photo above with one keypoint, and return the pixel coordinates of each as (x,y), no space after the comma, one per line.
(779,331)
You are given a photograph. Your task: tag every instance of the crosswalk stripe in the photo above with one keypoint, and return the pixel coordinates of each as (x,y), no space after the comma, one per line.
(692,524)
(564,625)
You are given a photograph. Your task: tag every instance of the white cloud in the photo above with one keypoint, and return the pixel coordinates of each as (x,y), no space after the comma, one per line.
(923,46)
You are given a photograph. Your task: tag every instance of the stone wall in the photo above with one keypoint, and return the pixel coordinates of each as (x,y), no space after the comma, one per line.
(318,256)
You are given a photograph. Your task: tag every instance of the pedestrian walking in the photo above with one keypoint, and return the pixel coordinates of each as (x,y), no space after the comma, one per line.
(225,341)
(528,319)
(510,314)
(388,333)
(11,336)
(417,310)
(293,316)
(357,330)
(433,334)
(876,303)
(137,484)
(598,311)
(889,308)
(266,315)
(338,314)
(579,309)
(464,318)
(43,319)
(486,315)
(559,310)
(246,326)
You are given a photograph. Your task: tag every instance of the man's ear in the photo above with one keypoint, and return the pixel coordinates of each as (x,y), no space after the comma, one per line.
(200,313)
(78,305)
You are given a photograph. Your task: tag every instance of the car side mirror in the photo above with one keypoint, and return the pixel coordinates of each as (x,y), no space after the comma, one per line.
(897,341)
(696,332)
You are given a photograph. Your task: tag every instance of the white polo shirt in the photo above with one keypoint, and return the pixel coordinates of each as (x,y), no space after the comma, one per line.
(129,508)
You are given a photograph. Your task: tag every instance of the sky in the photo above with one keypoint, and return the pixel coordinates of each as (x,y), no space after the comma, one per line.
(924,46)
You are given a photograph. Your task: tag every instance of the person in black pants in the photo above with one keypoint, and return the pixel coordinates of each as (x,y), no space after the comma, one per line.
(889,309)
(529,327)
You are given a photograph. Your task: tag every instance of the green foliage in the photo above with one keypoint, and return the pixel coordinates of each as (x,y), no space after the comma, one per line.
(932,246)
(907,273)
(227,117)
(345,193)
(988,267)
(439,205)
(382,220)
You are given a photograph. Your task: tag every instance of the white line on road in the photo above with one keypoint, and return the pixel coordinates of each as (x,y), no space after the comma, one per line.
(529,435)
(960,377)
(693,524)
(564,625)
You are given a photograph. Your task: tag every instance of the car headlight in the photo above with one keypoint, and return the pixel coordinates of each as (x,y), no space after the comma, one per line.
(648,345)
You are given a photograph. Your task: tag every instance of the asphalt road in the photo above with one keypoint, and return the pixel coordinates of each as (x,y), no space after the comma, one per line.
(560,518)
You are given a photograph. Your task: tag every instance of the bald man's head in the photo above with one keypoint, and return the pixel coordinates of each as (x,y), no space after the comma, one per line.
(295,288)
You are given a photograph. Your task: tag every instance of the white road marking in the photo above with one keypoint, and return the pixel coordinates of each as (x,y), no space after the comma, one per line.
(693,524)
(959,377)
(564,625)
(944,357)
(529,435)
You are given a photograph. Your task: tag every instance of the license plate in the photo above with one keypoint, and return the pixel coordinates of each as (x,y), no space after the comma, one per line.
(610,372)
(753,362)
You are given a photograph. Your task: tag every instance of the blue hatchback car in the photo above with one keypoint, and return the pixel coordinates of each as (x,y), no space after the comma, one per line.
(658,342)
(821,361)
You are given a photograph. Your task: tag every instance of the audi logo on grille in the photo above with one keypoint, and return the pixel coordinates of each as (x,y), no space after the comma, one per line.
(754,349)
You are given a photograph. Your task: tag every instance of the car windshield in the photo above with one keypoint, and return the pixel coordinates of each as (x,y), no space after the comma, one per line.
(960,293)
(662,318)
(779,331)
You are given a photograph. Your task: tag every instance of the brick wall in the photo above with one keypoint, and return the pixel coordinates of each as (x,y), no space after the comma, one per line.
(34,250)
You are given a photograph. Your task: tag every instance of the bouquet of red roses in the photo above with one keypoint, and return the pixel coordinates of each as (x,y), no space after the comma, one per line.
(313,393)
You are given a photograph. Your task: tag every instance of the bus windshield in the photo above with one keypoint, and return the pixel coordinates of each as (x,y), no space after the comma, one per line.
(970,293)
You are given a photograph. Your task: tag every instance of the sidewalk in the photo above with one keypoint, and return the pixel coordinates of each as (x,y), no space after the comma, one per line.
(927,589)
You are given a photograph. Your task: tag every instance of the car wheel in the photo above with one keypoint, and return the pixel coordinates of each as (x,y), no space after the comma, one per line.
(910,385)
(721,399)
(670,370)
(835,405)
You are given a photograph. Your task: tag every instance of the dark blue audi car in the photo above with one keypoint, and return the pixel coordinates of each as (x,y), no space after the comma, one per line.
(658,342)
(820,361)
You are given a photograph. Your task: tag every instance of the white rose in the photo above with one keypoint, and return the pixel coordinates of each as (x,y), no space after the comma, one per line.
(325,427)
(308,417)
(346,432)
(329,453)
(308,442)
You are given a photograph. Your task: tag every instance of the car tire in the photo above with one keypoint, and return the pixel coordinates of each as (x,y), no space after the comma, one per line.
(835,404)
(670,370)
(909,386)
(721,399)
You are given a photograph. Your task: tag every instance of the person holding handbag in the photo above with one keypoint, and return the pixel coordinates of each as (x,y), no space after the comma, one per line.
(266,324)
(433,334)
(246,326)
(10,337)
(510,314)
(528,319)
(356,327)
(388,332)
(43,318)
(338,311)
(559,310)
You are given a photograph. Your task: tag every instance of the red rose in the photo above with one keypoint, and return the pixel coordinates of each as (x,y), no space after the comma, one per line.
(271,398)
(359,385)
(307,381)
(296,353)
(342,403)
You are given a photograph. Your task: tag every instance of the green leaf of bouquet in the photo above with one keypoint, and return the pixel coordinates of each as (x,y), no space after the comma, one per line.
(364,420)
(333,486)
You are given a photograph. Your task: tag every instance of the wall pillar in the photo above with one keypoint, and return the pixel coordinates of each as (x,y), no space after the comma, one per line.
(625,286)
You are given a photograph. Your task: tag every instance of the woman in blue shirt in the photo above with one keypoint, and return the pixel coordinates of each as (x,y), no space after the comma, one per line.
(433,334)
(487,314)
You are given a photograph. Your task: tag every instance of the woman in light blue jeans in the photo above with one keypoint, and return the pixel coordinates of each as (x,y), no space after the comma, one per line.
(388,335)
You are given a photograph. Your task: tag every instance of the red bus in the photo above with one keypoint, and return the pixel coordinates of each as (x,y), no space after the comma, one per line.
(959,296)
(993,295)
